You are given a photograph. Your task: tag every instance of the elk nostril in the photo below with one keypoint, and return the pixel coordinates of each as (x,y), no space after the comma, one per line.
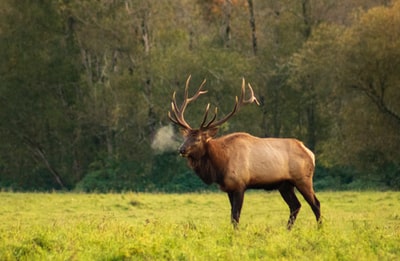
(182,151)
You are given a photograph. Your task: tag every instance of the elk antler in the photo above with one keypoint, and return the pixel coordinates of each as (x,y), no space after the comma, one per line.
(177,116)
(238,103)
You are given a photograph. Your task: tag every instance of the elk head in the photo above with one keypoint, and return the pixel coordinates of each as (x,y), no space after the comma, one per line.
(195,139)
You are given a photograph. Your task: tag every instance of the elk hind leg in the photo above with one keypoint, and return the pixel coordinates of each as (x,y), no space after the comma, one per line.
(287,193)
(309,195)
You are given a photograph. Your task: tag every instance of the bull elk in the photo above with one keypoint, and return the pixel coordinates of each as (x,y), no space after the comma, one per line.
(240,161)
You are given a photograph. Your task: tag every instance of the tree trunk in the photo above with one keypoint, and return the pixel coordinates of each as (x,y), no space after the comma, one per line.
(253,26)
(306,11)
(311,128)
(227,33)
(377,95)
(41,155)
(145,34)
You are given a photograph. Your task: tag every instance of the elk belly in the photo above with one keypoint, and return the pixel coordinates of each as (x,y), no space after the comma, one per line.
(267,175)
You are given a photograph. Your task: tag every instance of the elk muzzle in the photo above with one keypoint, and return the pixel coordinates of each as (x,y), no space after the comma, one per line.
(183,151)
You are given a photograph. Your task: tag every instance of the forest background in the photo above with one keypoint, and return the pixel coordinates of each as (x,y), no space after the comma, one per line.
(85,87)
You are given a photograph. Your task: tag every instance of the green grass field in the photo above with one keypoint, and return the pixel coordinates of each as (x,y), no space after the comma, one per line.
(130,226)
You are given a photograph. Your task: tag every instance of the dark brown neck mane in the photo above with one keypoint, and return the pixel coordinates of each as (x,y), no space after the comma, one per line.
(208,167)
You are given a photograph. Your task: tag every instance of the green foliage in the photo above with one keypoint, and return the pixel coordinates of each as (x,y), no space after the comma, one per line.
(391,176)
(113,176)
(334,178)
(186,181)
(350,178)
(132,226)
(168,173)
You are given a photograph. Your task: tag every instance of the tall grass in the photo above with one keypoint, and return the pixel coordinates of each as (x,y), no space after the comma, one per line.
(130,226)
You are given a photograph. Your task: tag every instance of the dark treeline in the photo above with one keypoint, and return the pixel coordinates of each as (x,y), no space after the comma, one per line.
(85,87)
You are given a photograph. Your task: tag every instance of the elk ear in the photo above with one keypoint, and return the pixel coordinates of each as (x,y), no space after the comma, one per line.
(212,132)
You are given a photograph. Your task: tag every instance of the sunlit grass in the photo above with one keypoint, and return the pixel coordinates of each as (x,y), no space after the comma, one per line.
(130,226)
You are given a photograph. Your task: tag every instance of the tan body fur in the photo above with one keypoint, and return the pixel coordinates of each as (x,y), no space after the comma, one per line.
(254,162)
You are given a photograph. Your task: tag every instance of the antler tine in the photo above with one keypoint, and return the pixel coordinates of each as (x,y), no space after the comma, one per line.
(199,92)
(238,104)
(202,125)
(243,95)
(177,118)
(252,97)
(211,124)
(205,115)
(172,118)
(178,112)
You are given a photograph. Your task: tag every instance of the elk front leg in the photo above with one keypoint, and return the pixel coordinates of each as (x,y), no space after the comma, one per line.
(236,200)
